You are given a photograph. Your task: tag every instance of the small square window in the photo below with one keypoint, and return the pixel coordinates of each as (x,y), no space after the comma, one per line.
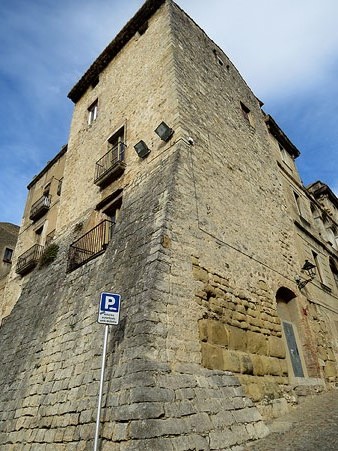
(8,254)
(92,112)
(245,112)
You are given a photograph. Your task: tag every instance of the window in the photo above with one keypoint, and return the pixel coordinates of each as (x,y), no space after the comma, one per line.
(111,166)
(112,212)
(116,144)
(92,112)
(111,206)
(247,114)
(8,255)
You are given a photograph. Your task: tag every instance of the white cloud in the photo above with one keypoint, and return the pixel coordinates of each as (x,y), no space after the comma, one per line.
(276,45)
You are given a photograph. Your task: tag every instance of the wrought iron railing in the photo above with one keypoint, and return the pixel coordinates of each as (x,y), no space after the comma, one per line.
(40,207)
(89,245)
(29,259)
(112,163)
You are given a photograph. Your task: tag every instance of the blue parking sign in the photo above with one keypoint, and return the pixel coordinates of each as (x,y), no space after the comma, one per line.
(109,310)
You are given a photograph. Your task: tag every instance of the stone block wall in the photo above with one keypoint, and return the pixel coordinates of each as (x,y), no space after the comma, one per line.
(50,364)
(241,332)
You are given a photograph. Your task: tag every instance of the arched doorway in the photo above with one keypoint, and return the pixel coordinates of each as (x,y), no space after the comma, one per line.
(288,313)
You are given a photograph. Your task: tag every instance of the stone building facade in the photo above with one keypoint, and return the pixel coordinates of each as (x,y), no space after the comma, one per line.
(198,227)
(8,237)
(37,229)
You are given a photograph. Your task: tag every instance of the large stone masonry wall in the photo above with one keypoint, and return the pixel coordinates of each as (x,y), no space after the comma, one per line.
(230,212)
(156,396)
(238,197)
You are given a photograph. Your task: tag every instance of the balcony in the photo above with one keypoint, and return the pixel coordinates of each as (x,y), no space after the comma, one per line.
(90,245)
(110,167)
(29,259)
(39,208)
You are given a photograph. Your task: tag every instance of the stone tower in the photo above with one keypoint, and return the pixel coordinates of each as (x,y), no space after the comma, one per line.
(191,230)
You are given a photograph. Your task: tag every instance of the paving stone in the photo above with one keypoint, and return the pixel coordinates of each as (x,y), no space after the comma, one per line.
(311,426)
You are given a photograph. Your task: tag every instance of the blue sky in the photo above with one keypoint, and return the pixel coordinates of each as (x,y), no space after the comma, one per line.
(286,50)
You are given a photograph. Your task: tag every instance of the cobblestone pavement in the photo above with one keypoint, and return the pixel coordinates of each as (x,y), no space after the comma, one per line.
(313,425)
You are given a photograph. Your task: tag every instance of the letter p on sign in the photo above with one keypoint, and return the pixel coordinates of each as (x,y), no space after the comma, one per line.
(109,310)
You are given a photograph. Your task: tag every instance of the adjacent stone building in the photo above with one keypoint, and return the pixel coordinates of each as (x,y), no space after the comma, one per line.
(8,237)
(37,230)
(180,193)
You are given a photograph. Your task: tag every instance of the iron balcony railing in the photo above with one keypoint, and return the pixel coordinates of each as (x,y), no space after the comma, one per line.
(89,245)
(110,166)
(39,208)
(29,259)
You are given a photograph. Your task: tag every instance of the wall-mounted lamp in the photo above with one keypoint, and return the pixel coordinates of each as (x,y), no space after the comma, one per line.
(142,149)
(310,270)
(164,131)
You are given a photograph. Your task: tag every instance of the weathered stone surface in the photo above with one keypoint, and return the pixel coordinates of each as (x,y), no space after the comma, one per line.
(237,338)
(276,347)
(330,369)
(213,357)
(222,440)
(257,343)
(231,361)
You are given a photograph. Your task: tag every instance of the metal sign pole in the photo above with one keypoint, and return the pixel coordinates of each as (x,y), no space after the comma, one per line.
(96,441)
(109,314)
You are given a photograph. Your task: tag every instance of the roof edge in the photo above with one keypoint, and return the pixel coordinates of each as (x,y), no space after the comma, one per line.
(122,38)
(318,188)
(48,166)
(278,133)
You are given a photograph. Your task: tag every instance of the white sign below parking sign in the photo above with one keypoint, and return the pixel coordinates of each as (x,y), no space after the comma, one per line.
(109,309)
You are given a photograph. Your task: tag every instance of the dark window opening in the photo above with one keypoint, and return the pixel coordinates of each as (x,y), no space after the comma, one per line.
(246,113)
(117,141)
(111,166)
(112,211)
(8,254)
